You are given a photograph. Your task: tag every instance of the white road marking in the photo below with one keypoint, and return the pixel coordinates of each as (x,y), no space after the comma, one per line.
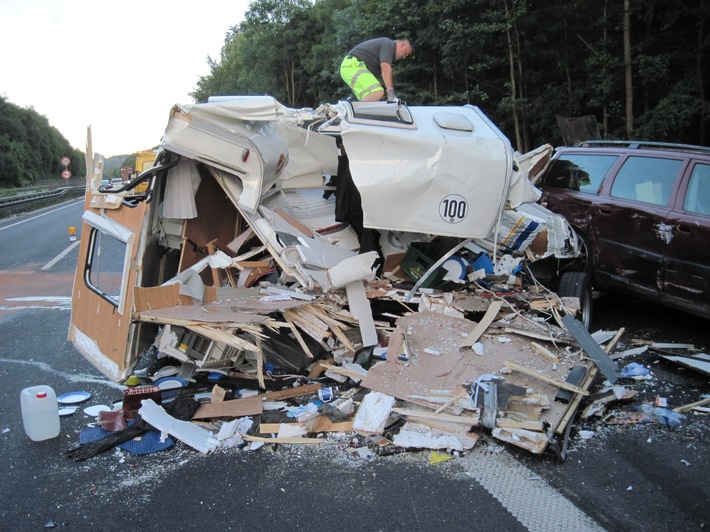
(34,307)
(55,303)
(40,215)
(71,377)
(53,299)
(533,502)
(60,256)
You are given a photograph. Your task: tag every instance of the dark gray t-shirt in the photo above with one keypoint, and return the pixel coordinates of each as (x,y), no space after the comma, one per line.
(374,52)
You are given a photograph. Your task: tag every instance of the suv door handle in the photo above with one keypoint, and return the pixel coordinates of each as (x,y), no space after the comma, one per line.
(604,210)
(682,229)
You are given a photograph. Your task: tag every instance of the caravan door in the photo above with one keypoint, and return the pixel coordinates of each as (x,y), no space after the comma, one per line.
(102,298)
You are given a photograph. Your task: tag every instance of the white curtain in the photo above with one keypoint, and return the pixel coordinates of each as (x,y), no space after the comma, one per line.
(180,189)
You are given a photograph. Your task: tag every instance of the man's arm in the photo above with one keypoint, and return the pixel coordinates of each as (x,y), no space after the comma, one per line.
(389,82)
(387,75)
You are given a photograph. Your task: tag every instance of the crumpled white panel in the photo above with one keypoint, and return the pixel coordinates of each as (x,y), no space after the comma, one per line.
(431,179)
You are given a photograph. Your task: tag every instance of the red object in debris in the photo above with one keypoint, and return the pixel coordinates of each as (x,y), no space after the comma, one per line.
(132,398)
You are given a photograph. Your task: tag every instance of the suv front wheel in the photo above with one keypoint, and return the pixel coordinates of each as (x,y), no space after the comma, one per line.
(578,284)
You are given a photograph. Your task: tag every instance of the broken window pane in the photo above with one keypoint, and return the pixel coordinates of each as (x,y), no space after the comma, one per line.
(579,172)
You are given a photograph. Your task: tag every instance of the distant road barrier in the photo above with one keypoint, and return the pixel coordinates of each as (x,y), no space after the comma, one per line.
(33,197)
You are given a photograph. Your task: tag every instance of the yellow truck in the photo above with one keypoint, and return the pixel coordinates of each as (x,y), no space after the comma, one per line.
(144,161)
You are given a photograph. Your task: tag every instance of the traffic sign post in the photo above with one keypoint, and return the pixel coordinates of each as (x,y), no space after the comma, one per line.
(66,161)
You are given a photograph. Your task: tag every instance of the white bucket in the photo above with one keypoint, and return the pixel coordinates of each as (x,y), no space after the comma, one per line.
(40,412)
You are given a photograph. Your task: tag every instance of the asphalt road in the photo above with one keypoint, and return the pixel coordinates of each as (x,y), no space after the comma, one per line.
(625,477)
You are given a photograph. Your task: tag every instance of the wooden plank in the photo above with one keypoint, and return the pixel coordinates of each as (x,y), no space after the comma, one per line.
(545,352)
(460,395)
(555,382)
(613,341)
(219,335)
(535,442)
(298,336)
(450,418)
(546,338)
(312,329)
(302,228)
(255,263)
(356,376)
(157,297)
(574,403)
(319,368)
(216,281)
(513,424)
(306,389)
(689,407)
(274,428)
(481,327)
(249,406)
(260,364)
(282,440)
(335,327)
(322,424)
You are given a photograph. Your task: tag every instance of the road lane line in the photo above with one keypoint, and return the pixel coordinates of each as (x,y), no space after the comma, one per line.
(533,502)
(40,215)
(60,256)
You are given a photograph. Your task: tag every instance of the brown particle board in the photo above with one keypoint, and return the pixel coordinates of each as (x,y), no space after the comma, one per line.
(248,406)
(424,374)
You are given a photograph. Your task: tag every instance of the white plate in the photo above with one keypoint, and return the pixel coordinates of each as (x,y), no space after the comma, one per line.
(165,371)
(455,267)
(73,398)
(169,383)
(94,410)
(68,410)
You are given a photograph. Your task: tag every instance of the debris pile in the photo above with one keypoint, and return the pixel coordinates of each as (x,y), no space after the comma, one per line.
(284,369)
(368,268)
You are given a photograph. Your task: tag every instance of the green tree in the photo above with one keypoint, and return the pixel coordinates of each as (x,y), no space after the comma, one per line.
(523,62)
(30,148)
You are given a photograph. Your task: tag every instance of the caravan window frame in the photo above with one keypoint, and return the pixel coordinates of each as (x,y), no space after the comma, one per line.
(106,226)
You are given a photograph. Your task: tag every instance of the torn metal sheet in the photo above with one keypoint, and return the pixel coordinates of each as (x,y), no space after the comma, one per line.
(436,171)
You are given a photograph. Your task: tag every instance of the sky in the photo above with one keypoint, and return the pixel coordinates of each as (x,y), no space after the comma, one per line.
(117,66)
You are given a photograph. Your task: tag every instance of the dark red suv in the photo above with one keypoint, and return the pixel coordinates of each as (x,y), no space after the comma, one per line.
(642,211)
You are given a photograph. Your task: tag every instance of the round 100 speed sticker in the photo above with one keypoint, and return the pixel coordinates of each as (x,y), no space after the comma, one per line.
(453,208)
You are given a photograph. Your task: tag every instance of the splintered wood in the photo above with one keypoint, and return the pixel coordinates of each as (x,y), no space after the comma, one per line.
(446,375)
(428,353)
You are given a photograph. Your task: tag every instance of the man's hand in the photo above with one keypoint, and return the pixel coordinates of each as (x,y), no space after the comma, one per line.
(391,96)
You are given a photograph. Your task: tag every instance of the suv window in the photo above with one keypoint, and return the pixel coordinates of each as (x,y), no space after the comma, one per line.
(646,179)
(579,172)
(697,198)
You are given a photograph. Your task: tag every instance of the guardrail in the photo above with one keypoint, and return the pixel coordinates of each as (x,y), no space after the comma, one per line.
(33,197)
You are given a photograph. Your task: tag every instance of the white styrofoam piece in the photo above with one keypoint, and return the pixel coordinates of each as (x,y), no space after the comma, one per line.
(189,433)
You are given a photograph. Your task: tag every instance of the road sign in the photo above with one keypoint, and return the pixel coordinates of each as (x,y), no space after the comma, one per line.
(66,174)
(66,161)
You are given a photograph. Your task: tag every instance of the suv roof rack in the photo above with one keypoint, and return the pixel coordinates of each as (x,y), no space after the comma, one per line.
(638,144)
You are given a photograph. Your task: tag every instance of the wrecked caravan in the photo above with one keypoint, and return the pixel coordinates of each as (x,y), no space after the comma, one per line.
(263,234)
